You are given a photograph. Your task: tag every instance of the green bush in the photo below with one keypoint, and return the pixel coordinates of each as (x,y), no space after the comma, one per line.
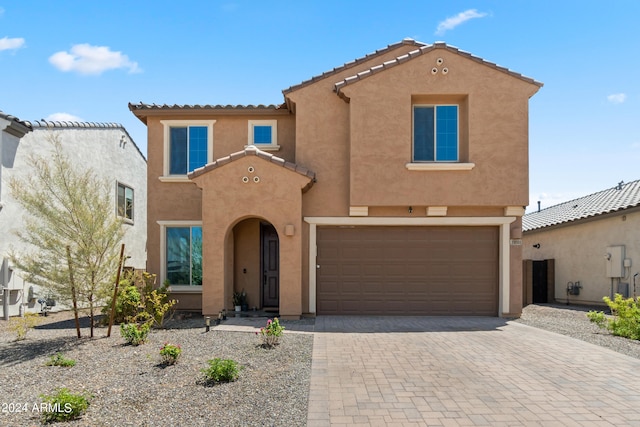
(58,359)
(271,333)
(138,301)
(22,325)
(64,405)
(222,370)
(135,333)
(626,317)
(170,353)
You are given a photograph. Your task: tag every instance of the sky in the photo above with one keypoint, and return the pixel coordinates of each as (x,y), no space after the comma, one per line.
(86,60)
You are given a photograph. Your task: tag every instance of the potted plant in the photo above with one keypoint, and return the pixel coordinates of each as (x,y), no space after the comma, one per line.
(239,299)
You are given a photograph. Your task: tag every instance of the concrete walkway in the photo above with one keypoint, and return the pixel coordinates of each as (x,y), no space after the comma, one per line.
(446,371)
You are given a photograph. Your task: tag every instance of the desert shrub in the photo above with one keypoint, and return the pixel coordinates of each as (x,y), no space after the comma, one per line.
(220,370)
(64,405)
(59,359)
(138,301)
(271,333)
(22,325)
(135,333)
(170,353)
(625,321)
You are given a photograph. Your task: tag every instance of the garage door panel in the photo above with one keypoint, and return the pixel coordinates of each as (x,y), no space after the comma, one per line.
(408,270)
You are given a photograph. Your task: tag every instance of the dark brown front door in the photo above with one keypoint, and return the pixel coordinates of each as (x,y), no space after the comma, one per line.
(270,266)
(540,285)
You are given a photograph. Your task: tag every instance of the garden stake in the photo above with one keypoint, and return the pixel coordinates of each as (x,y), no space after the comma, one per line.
(73,291)
(115,291)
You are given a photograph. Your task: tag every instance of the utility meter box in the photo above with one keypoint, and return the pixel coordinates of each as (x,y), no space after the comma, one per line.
(614,258)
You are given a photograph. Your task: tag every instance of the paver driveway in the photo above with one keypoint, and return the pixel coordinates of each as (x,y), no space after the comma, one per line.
(445,371)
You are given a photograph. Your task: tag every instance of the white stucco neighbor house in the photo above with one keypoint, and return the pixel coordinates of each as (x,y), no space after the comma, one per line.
(109,150)
(579,251)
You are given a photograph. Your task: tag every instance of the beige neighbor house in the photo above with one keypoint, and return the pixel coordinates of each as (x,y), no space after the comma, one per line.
(112,154)
(393,184)
(584,249)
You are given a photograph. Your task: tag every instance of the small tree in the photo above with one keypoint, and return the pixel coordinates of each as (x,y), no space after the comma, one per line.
(67,206)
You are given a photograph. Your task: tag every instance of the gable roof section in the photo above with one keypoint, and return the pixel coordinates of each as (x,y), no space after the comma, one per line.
(16,126)
(353,63)
(421,51)
(614,199)
(253,151)
(47,124)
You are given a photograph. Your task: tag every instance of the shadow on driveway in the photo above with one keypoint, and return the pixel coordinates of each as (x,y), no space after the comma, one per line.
(381,324)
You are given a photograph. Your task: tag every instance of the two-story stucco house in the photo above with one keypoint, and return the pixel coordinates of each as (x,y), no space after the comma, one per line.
(112,154)
(393,184)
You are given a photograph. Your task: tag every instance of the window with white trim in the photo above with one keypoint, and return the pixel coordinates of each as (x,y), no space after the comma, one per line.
(435,133)
(183,255)
(263,134)
(188,145)
(124,201)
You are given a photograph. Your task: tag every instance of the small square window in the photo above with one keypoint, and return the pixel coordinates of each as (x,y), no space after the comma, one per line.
(125,201)
(263,134)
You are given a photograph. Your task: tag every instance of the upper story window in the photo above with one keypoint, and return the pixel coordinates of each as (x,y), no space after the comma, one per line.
(264,134)
(124,201)
(435,133)
(188,145)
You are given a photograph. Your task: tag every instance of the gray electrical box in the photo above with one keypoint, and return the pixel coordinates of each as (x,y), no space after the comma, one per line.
(623,289)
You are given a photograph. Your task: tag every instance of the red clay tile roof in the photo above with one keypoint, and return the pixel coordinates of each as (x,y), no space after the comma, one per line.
(253,151)
(420,51)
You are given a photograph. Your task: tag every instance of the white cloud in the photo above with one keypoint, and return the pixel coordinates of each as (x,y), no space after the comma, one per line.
(11,44)
(87,59)
(453,21)
(617,98)
(63,117)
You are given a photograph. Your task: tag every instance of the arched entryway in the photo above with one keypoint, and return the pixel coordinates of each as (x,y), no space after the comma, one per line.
(256,263)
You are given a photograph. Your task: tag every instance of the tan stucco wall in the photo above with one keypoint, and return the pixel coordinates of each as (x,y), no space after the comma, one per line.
(246,271)
(579,250)
(183,201)
(277,199)
(493,105)
(322,138)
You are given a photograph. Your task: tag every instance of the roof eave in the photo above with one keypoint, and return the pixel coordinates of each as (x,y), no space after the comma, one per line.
(143,111)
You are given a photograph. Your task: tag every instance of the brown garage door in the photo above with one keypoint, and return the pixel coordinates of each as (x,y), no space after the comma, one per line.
(408,270)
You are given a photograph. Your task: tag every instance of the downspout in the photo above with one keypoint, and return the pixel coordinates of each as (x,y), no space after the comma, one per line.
(5,288)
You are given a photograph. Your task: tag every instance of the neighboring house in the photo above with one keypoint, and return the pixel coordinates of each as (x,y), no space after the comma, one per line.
(582,250)
(110,151)
(393,184)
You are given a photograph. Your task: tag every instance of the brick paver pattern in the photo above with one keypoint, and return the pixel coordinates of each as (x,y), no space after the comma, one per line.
(451,371)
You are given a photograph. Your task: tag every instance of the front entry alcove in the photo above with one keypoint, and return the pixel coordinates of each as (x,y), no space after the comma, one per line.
(256,263)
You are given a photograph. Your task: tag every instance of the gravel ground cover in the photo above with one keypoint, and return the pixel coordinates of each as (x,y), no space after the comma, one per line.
(572,321)
(132,388)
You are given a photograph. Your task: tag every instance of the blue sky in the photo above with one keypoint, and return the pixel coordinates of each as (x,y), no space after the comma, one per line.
(85,60)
